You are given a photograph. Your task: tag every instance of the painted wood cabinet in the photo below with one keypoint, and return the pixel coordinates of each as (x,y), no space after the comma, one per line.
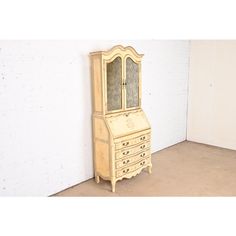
(121,131)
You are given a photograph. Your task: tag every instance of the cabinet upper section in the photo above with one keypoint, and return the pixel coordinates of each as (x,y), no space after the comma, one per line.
(116,76)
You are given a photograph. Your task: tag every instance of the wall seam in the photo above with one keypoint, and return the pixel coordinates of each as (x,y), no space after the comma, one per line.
(188,82)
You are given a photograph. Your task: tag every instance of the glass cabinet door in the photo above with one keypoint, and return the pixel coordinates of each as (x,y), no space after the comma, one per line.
(132,83)
(114,85)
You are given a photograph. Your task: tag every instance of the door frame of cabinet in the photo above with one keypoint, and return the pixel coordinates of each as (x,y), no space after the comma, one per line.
(105,62)
(124,53)
(139,82)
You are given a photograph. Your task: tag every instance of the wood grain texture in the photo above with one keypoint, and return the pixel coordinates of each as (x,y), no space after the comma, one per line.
(121,137)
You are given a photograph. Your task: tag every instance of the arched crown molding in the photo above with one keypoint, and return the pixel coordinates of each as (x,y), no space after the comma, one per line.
(119,49)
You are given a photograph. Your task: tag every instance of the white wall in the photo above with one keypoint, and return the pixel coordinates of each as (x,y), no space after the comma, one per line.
(45,109)
(212,93)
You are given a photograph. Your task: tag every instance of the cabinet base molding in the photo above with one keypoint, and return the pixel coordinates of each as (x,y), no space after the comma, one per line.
(127,176)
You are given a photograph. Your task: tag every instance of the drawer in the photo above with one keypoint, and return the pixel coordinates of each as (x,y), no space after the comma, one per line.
(129,141)
(122,153)
(132,159)
(132,168)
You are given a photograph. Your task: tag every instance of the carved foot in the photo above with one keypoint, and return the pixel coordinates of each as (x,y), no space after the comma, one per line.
(149,169)
(113,185)
(97,179)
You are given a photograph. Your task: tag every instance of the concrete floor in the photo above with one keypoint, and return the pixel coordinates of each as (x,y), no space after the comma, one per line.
(185,169)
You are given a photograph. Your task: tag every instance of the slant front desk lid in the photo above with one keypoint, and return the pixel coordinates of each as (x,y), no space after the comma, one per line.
(127,123)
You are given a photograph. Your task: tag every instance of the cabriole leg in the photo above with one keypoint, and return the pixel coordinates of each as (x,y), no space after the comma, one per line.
(97,179)
(149,169)
(113,185)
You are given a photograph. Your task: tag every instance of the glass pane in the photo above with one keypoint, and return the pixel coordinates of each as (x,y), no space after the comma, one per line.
(132,81)
(114,87)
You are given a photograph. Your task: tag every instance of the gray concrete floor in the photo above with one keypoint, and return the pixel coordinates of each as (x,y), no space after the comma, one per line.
(185,169)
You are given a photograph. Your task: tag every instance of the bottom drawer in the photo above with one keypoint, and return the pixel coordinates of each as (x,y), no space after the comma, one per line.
(132,168)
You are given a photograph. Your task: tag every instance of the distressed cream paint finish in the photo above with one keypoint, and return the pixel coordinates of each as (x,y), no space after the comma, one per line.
(122,144)
(212,93)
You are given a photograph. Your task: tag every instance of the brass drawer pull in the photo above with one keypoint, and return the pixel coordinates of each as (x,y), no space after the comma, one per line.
(125,171)
(126,162)
(142,163)
(125,144)
(142,138)
(142,147)
(126,153)
(143,154)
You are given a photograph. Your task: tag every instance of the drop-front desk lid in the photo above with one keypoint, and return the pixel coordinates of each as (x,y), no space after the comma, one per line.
(127,123)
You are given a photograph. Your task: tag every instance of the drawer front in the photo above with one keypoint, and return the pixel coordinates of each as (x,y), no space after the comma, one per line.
(132,150)
(132,168)
(132,159)
(135,140)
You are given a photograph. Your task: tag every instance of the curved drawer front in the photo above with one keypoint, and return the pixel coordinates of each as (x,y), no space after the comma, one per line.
(132,140)
(132,150)
(132,159)
(132,168)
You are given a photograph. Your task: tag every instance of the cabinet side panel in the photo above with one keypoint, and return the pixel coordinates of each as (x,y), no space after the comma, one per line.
(100,129)
(102,158)
(97,83)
